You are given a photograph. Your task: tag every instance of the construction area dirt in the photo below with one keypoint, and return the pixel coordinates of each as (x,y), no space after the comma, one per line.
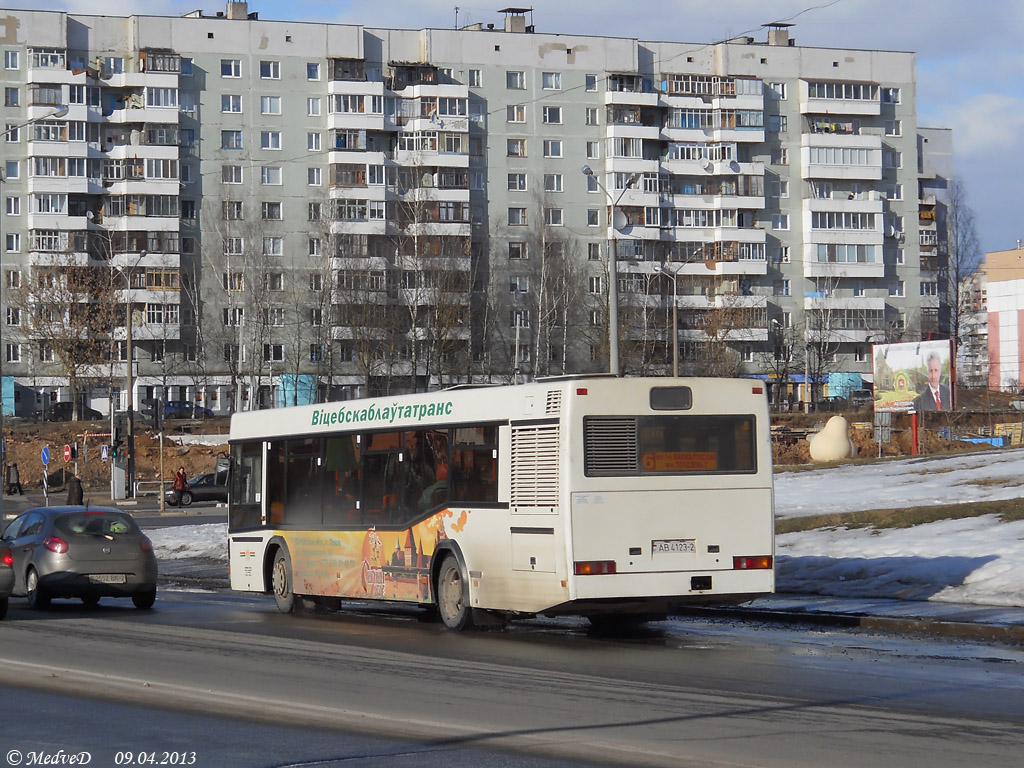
(25,443)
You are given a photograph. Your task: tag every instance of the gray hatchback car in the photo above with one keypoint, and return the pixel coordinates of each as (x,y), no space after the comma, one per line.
(82,552)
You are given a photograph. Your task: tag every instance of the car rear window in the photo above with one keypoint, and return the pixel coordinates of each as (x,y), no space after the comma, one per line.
(102,523)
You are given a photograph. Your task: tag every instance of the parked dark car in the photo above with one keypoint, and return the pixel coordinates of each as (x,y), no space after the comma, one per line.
(80,552)
(833,403)
(211,486)
(63,411)
(181,409)
(6,578)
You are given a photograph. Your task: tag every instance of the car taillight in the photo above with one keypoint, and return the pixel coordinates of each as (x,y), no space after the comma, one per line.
(55,544)
(146,544)
(594,567)
(6,558)
(752,563)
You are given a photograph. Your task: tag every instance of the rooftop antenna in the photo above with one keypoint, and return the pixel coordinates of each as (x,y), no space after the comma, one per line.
(456,17)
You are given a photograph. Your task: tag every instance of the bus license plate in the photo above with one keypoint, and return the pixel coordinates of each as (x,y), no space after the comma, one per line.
(673,546)
(108,578)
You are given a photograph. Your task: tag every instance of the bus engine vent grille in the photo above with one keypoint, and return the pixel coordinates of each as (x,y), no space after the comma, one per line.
(553,406)
(610,446)
(535,466)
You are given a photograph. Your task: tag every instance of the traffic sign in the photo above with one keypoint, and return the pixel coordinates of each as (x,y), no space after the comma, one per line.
(104,452)
(67,453)
(45,454)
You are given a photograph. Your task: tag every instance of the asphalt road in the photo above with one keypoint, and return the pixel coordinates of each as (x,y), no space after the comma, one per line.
(696,692)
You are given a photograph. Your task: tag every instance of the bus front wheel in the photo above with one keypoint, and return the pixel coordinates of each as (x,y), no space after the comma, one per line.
(453,596)
(282,582)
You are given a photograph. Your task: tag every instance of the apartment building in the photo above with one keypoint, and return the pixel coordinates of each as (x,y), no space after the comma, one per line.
(284,210)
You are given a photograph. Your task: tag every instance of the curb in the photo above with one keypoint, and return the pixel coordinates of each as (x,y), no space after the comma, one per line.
(1011,635)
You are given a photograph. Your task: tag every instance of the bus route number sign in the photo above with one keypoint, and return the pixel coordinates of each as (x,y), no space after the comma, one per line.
(673,546)
(680,461)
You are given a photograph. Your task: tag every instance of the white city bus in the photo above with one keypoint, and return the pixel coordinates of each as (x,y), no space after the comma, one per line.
(619,499)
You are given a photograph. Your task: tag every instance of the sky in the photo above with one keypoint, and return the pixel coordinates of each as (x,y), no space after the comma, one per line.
(969,57)
(975,560)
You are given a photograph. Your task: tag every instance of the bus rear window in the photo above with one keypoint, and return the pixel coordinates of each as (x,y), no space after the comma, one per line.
(617,446)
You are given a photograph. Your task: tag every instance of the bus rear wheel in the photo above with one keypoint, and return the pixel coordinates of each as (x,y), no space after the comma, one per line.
(281,578)
(453,596)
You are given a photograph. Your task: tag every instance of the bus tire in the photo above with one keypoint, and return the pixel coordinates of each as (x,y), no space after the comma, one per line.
(281,579)
(453,596)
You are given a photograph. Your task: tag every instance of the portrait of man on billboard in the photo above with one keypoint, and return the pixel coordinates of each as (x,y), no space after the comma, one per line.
(935,396)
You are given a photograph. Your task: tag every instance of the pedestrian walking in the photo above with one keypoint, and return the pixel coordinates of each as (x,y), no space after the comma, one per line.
(74,491)
(14,481)
(180,485)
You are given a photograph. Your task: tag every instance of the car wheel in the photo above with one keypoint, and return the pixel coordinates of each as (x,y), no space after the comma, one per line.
(37,597)
(144,600)
(282,582)
(3,607)
(186,498)
(453,596)
(91,600)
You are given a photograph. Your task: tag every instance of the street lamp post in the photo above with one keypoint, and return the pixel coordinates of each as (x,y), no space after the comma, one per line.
(613,276)
(673,274)
(58,111)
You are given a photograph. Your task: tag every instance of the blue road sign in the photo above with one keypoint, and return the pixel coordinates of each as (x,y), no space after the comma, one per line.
(46,455)
(104,452)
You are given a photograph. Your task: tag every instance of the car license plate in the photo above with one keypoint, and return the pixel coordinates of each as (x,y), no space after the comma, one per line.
(108,578)
(673,546)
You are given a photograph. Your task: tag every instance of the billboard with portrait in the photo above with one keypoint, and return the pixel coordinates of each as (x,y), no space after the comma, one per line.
(912,376)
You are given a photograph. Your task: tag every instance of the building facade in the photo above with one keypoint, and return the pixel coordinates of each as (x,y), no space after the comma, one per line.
(1004,285)
(284,211)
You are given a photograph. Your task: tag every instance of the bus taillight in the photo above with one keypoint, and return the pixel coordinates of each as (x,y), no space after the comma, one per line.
(752,563)
(594,567)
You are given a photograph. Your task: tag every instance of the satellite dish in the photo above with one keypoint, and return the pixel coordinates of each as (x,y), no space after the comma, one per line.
(619,220)
(734,167)
(709,166)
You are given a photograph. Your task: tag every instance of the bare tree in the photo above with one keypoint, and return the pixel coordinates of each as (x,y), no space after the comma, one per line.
(69,310)
(962,259)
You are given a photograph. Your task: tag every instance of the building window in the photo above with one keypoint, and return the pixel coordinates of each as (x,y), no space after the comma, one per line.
(516,147)
(552,182)
(551,81)
(860,354)
(273,353)
(517,182)
(893,127)
(518,284)
(782,288)
(553,217)
(590,82)
(780,221)
(313,107)
(314,176)
(270,140)
(12,242)
(515,113)
(270,105)
(270,176)
(11,98)
(779,188)
(10,59)
(231,174)
(776,91)
(594,283)
(230,139)
(891,96)
(230,68)
(314,211)
(552,148)
(271,211)
(553,115)
(593,150)
(593,251)
(273,246)
(517,217)
(313,141)
(233,210)
(591,116)
(780,156)
(270,70)
(778,123)
(14,205)
(897,289)
(593,217)
(516,250)
(515,80)
(313,70)
(475,79)
(14,353)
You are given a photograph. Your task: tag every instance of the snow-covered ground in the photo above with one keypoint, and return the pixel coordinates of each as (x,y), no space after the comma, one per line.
(973,560)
